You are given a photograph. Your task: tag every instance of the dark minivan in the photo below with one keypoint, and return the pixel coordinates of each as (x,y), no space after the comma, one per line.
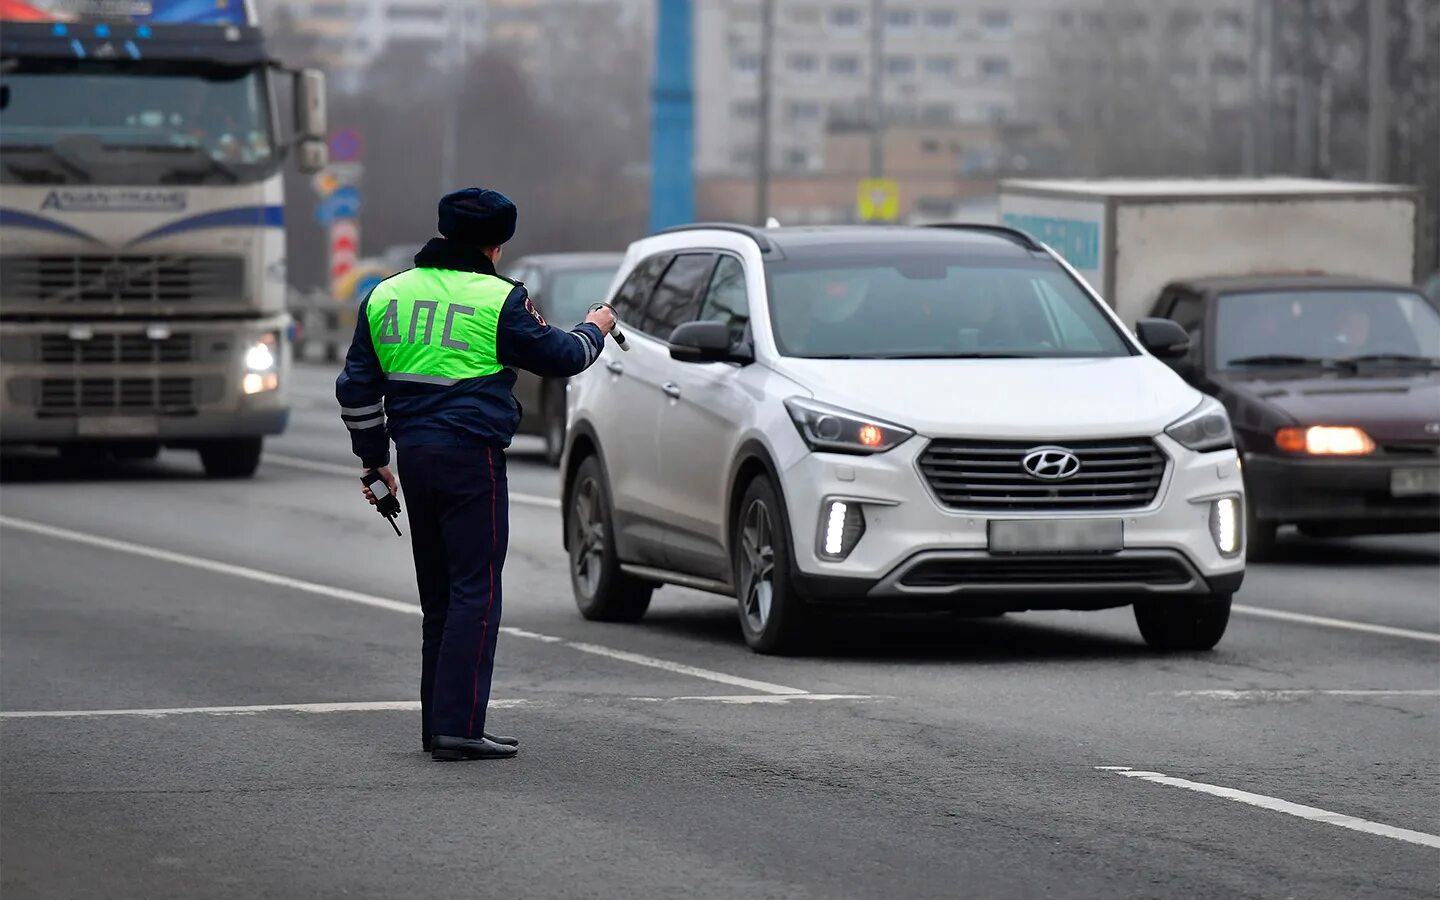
(1333,390)
(562,286)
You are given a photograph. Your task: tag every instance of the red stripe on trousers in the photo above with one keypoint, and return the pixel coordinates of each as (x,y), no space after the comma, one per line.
(485,626)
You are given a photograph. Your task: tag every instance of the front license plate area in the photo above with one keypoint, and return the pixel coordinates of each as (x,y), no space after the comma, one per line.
(117,426)
(1415,482)
(1057,536)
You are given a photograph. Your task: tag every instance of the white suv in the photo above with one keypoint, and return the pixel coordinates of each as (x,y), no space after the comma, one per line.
(893,419)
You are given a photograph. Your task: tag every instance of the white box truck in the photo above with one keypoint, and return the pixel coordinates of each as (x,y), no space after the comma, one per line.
(1131,237)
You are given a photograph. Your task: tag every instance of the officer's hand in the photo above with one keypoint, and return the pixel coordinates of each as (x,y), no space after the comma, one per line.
(602,318)
(385,476)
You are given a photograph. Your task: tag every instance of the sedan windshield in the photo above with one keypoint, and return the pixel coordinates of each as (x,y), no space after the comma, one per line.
(98,122)
(933,304)
(1318,327)
(568,293)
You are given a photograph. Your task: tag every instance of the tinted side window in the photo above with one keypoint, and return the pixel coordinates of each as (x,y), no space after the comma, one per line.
(677,299)
(635,293)
(726,300)
(1189,311)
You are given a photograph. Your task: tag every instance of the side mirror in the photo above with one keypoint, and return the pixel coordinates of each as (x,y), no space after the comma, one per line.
(1163,337)
(706,342)
(310,118)
(312,156)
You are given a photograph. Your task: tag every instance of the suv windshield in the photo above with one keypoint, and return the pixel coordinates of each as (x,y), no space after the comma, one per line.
(164,123)
(570,292)
(1316,326)
(903,303)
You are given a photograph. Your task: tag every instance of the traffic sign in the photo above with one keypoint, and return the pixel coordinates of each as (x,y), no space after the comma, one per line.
(345,145)
(342,203)
(325,183)
(878,200)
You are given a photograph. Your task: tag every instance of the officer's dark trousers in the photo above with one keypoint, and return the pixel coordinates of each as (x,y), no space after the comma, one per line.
(459,514)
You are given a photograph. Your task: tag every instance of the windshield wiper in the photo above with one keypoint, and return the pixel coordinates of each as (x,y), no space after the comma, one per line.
(1283,359)
(50,154)
(1402,358)
(200,154)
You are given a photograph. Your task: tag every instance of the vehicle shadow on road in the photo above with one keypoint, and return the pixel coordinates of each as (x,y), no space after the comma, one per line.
(917,637)
(1408,550)
(23,468)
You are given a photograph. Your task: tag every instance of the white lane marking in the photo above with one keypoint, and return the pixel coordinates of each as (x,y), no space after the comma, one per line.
(638,659)
(324,468)
(759,698)
(1281,615)
(311,587)
(209,565)
(1285,806)
(1286,694)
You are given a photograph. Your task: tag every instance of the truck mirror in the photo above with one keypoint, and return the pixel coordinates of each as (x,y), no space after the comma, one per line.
(310,118)
(312,156)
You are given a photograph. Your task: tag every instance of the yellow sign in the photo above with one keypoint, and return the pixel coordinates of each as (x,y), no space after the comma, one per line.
(878,200)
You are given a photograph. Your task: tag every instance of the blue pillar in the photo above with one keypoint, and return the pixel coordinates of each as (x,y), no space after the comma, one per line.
(672,135)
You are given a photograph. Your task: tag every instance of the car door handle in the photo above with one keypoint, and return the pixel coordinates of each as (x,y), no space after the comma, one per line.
(671,390)
(615,367)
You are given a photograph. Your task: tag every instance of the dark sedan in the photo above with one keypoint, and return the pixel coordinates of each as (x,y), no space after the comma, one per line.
(562,286)
(1333,389)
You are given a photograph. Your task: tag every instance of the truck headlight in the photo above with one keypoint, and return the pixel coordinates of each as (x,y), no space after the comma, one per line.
(261,363)
(841,526)
(1204,428)
(1225,525)
(827,427)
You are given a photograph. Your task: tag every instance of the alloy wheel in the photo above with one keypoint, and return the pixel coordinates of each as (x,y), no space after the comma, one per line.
(757,565)
(587,536)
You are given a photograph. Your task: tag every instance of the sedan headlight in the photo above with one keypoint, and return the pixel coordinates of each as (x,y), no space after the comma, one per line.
(1206,427)
(830,428)
(1325,440)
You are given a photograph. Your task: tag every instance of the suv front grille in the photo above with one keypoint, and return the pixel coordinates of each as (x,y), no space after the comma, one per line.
(988,475)
(115,348)
(1046,572)
(60,396)
(51,281)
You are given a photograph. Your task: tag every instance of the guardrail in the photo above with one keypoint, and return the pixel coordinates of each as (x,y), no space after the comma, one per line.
(324,325)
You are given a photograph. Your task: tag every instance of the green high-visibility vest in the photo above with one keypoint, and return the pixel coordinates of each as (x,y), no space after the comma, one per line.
(437,326)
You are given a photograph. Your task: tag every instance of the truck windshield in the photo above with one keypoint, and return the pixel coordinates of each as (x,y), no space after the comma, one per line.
(1317,327)
(152,123)
(933,305)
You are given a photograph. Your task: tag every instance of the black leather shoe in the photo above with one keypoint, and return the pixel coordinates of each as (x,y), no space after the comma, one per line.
(449,749)
(500,739)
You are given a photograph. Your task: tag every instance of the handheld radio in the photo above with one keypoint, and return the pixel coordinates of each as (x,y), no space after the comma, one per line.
(386,503)
(614,332)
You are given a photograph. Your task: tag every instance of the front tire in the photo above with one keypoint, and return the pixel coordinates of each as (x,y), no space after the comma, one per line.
(773,615)
(237,458)
(1183,623)
(603,593)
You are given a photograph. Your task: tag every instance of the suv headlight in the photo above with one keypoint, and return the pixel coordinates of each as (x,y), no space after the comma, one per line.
(827,427)
(1206,427)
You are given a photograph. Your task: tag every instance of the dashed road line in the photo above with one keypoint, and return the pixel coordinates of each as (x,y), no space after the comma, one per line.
(1298,810)
(353,472)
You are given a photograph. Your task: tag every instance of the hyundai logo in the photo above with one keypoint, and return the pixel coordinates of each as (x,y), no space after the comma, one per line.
(1051,463)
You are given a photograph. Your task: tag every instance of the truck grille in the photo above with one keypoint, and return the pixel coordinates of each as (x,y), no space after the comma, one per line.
(115,348)
(988,475)
(91,281)
(74,395)
(1046,572)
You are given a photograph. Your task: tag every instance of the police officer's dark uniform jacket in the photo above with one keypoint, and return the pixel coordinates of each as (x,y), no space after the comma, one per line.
(431,366)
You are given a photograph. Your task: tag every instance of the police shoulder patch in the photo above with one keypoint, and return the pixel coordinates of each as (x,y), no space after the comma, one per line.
(530,308)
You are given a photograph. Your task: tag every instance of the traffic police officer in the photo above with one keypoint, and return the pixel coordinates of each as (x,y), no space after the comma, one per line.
(432,358)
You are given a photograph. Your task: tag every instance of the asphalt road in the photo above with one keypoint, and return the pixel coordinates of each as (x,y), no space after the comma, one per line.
(266,628)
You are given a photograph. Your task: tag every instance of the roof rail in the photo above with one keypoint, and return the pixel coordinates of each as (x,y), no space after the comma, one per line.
(755,234)
(1023,238)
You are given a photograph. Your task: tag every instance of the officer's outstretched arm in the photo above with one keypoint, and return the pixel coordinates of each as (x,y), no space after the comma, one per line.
(525,341)
(361,392)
